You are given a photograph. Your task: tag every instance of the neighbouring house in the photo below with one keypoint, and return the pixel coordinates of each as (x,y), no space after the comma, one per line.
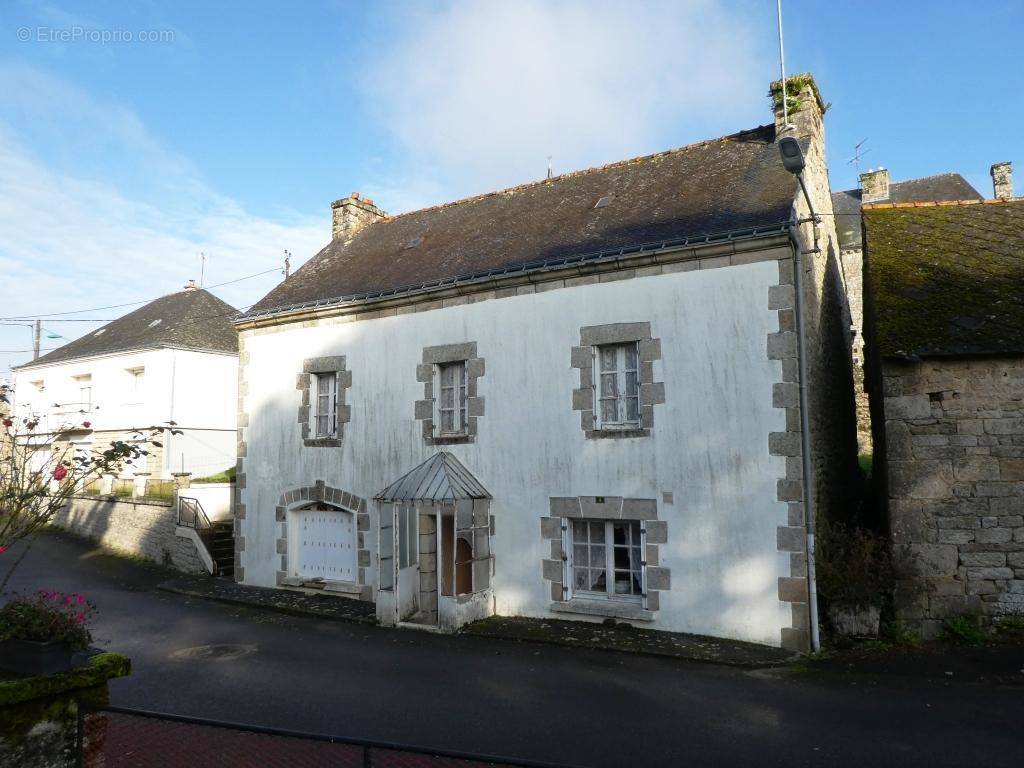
(575,398)
(944,321)
(174,359)
(877,187)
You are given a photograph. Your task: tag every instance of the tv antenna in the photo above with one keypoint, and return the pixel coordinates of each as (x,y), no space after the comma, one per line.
(202,268)
(782,69)
(857,154)
(287,264)
(550,174)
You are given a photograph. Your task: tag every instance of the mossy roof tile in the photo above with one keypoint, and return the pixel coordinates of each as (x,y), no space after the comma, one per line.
(945,279)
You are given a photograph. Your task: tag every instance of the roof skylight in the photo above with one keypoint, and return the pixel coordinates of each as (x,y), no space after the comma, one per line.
(100,332)
(156,322)
(603,201)
(412,243)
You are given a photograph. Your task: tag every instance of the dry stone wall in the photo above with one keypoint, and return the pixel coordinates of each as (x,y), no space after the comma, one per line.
(954,443)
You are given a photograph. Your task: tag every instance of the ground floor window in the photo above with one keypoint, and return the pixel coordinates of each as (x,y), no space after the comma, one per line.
(607,559)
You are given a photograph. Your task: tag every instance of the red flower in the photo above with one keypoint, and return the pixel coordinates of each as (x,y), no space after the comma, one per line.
(60,473)
(86,424)
(80,618)
(8,423)
(2,549)
(80,599)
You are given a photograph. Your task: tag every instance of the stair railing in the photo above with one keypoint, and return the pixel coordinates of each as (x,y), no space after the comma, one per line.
(192,515)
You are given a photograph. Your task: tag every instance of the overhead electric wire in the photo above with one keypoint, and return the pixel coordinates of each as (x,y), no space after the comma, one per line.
(49,316)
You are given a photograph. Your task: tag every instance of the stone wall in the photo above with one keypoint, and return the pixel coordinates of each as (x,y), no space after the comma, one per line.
(954,448)
(136,528)
(852,261)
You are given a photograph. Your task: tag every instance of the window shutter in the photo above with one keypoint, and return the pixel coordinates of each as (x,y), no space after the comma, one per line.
(643,562)
(566,560)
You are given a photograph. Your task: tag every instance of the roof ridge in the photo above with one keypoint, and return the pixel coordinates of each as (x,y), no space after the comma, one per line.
(579,172)
(941,203)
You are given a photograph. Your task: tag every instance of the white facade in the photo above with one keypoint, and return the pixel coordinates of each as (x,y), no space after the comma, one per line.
(118,392)
(706,462)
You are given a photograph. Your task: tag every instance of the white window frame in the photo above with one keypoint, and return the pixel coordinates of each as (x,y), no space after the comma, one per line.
(621,396)
(407,521)
(137,379)
(327,401)
(460,398)
(609,546)
(84,384)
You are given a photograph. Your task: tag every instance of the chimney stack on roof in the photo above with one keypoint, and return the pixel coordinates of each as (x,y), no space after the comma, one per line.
(191,286)
(351,214)
(1002,180)
(806,110)
(874,186)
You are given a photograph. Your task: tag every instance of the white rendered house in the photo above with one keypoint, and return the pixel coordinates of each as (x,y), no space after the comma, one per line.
(575,398)
(172,360)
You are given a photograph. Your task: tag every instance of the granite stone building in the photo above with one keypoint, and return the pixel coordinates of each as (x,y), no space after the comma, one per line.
(574,398)
(945,343)
(876,186)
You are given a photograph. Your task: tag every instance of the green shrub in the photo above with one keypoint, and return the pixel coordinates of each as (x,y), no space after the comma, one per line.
(49,615)
(963,630)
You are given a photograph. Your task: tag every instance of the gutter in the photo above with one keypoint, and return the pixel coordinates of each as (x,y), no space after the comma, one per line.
(475,280)
(805,428)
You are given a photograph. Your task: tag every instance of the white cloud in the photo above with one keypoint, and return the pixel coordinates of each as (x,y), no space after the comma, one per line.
(72,236)
(479,94)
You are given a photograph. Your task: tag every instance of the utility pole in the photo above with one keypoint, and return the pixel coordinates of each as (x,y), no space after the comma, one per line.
(35,339)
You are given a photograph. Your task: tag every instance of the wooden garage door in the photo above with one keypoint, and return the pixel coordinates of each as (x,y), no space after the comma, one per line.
(326,543)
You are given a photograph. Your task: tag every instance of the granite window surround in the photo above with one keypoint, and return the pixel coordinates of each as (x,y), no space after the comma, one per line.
(310,367)
(321,492)
(555,530)
(584,398)
(427,374)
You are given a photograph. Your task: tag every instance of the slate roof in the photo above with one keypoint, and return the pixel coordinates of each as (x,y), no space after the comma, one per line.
(945,279)
(944,186)
(725,185)
(191,319)
(442,477)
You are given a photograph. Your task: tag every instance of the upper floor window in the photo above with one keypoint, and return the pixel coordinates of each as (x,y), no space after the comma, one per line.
(451,399)
(618,386)
(84,384)
(325,415)
(136,378)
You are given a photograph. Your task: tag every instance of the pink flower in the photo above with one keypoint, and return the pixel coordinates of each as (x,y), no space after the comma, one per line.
(8,423)
(2,549)
(60,473)
(81,599)
(80,618)
(67,600)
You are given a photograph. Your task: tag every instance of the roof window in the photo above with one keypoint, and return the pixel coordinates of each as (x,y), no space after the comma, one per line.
(603,201)
(100,332)
(156,322)
(412,243)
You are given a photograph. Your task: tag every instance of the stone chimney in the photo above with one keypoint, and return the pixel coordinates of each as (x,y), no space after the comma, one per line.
(191,286)
(351,214)
(1002,180)
(806,109)
(874,186)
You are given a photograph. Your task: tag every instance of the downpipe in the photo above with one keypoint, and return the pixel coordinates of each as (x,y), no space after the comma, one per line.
(805,427)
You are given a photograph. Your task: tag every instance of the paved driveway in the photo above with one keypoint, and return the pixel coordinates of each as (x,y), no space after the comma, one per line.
(537,702)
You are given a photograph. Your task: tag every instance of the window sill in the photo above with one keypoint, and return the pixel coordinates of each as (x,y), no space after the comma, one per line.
(613,608)
(597,434)
(322,442)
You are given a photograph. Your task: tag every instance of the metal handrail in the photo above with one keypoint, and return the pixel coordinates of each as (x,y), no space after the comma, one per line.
(192,515)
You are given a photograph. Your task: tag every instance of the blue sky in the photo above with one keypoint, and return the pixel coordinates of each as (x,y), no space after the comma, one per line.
(121,160)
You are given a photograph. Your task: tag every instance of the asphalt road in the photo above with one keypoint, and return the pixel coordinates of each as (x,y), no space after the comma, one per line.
(540,702)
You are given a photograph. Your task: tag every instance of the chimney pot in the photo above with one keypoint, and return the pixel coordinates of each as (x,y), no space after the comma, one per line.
(874,186)
(1002,180)
(191,286)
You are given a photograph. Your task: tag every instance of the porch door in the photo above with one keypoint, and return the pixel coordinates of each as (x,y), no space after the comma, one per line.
(326,543)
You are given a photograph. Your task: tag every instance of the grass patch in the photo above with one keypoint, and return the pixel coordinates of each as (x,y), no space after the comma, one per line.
(867,463)
(227,476)
(1010,627)
(963,630)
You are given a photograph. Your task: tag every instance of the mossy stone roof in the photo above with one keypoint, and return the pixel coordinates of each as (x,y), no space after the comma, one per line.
(945,279)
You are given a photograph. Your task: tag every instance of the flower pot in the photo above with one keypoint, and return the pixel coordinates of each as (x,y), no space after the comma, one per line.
(855,620)
(36,658)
